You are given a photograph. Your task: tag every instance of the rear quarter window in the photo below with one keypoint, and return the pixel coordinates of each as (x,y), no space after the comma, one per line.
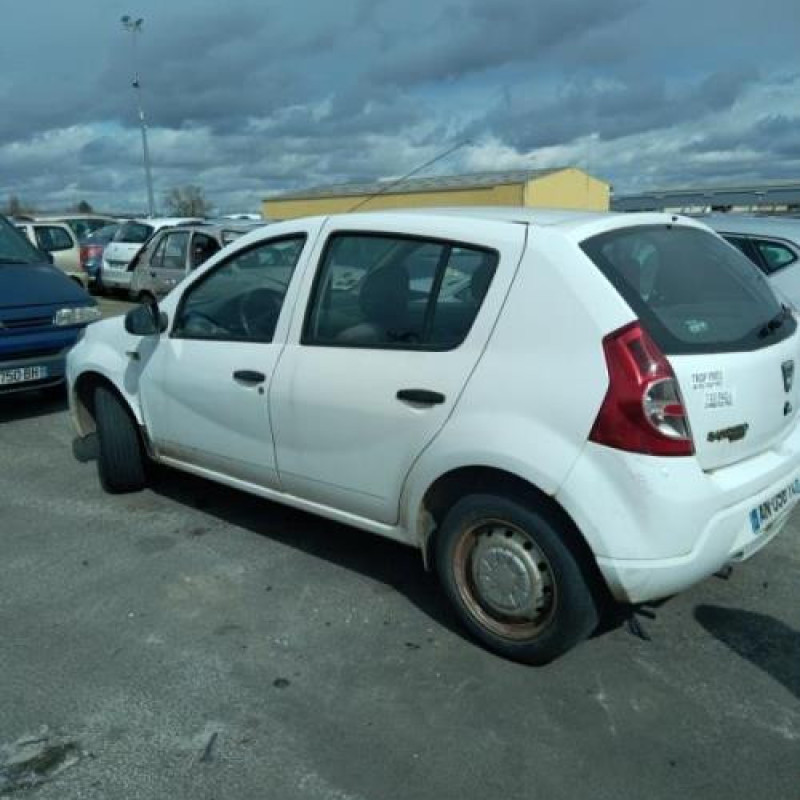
(692,291)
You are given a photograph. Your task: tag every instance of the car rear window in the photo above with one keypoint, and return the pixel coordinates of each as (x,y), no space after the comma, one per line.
(134,233)
(693,292)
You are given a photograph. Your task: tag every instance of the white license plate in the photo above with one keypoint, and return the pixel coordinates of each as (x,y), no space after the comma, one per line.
(764,515)
(22,375)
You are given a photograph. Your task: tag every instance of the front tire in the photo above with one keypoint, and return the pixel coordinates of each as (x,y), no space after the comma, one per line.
(121,460)
(515,582)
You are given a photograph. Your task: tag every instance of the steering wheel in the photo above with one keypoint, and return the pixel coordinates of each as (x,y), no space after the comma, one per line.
(259,310)
(198,324)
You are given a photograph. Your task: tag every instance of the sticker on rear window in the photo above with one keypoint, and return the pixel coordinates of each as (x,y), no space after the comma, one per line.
(703,381)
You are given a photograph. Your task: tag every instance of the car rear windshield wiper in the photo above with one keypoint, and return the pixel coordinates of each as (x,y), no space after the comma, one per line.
(4,260)
(775,323)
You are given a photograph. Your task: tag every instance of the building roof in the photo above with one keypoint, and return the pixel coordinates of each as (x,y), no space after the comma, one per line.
(476,180)
(741,194)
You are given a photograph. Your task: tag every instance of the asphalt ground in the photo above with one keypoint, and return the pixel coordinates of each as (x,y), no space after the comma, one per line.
(190,641)
(113,306)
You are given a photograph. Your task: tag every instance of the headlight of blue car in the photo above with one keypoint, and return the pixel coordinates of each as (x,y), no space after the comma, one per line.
(78,315)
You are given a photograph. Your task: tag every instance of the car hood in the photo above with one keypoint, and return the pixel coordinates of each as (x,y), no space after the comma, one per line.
(37,284)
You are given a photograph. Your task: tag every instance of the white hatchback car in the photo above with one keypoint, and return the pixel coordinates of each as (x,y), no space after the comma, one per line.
(552,406)
(771,243)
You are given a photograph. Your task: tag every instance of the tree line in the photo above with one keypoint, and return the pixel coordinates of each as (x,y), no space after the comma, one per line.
(180,201)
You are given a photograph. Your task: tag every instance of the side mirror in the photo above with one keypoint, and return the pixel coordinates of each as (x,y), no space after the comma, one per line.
(145,320)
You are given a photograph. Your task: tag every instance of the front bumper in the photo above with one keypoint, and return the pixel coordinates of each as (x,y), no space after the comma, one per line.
(658,525)
(56,371)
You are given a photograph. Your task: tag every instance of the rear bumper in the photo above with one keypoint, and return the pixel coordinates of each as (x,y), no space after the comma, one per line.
(727,538)
(113,279)
(658,525)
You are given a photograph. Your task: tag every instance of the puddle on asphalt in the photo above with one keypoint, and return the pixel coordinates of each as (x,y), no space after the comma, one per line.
(32,761)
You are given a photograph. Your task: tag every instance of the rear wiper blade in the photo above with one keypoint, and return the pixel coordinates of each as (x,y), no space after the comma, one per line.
(4,260)
(775,323)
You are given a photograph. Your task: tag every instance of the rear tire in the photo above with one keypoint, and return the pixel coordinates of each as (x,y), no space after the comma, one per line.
(121,460)
(514,580)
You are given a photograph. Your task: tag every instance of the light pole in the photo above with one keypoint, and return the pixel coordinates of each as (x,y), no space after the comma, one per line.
(134,27)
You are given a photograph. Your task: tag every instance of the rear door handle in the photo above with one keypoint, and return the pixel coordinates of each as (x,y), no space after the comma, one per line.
(423,397)
(249,376)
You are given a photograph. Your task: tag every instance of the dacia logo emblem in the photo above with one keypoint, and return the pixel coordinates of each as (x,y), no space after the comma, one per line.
(788,374)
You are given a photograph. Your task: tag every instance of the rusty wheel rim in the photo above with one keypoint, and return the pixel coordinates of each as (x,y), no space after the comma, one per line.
(504,579)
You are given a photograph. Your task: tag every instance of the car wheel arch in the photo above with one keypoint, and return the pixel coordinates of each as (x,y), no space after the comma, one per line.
(84,390)
(460,482)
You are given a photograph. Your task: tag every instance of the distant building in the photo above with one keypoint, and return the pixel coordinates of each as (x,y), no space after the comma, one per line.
(563,187)
(772,198)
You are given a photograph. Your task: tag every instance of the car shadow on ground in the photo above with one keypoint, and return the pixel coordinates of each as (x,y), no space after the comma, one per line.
(392,564)
(27,405)
(764,641)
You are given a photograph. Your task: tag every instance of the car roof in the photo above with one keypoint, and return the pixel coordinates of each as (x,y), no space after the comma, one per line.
(574,224)
(160,222)
(216,227)
(51,223)
(782,227)
(52,217)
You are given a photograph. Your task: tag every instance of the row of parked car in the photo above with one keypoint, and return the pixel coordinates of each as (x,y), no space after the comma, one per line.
(557,408)
(101,253)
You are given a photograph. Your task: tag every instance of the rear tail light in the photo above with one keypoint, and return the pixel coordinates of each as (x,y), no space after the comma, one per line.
(643,411)
(89,252)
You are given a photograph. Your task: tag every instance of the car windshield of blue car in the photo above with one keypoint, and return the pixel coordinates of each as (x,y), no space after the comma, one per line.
(15,248)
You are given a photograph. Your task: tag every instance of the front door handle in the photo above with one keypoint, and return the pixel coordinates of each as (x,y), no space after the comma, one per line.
(423,397)
(249,376)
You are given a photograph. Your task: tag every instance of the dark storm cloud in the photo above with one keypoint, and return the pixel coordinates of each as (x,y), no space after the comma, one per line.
(612,110)
(488,35)
(773,135)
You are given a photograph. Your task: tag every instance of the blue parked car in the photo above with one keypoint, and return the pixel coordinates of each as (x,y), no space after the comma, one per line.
(92,247)
(42,314)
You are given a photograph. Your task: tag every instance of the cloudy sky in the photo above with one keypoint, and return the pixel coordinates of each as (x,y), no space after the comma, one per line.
(249,97)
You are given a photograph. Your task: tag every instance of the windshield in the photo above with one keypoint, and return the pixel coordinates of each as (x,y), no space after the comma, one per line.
(15,248)
(134,233)
(694,292)
(102,235)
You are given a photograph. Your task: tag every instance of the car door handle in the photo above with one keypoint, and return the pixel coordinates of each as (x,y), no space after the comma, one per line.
(423,397)
(249,376)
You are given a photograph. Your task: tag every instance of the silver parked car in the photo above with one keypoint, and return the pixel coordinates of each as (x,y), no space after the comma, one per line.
(173,252)
(771,243)
(116,268)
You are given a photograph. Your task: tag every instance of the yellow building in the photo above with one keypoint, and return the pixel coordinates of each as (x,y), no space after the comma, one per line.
(561,187)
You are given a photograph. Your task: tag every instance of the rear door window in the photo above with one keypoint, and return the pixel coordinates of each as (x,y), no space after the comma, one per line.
(203,247)
(394,292)
(694,293)
(775,255)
